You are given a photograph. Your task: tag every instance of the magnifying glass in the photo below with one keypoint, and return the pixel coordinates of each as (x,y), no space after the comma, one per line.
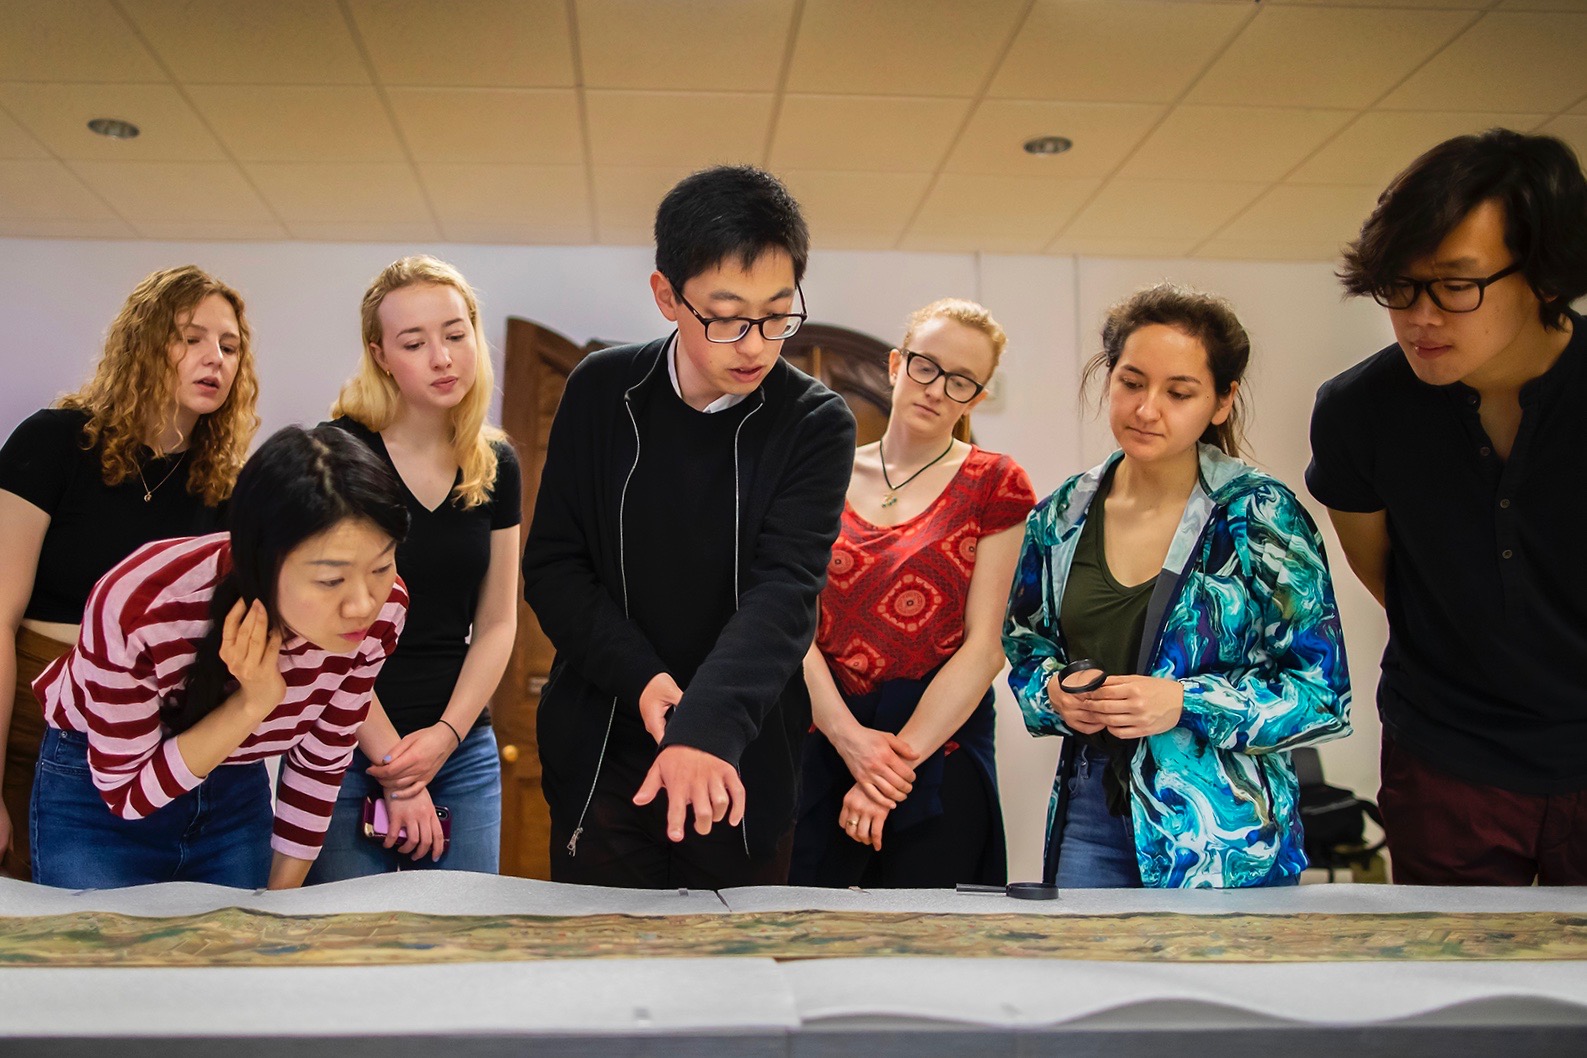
(1081,676)
(1017,890)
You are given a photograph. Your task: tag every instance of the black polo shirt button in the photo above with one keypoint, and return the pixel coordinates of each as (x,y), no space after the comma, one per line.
(1484,450)
(1505,504)
(1507,553)
(1471,398)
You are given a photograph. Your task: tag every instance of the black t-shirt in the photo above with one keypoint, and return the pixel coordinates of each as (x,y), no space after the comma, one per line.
(443,562)
(1487,581)
(93,526)
(679,524)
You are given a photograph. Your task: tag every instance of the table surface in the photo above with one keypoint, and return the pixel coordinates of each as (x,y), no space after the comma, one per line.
(756,1005)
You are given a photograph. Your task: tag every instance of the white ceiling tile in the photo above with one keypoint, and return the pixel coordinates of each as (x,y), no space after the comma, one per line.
(552,233)
(45,190)
(495,43)
(625,237)
(1278,250)
(1506,62)
(110,228)
(1005,213)
(527,203)
(1541,5)
(190,191)
(849,208)
(1103,134)
(16,142)
(687,45)
(1325,57)
(1464,5)
(695,129)
(58,115)
(1231,143)
(299,123)
(1380,143)
(310,192)
(274,42)
(1166,210)
(1121,51)
(1572,128)
(527,126)
(626,197)
(1122,247)
(899,47)
(1304,214)
(210,231)
(79,40)
(371,231)
(874,133)
(918,241)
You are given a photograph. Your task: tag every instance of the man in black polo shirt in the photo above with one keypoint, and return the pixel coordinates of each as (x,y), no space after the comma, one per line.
(691,492)
(1454,467)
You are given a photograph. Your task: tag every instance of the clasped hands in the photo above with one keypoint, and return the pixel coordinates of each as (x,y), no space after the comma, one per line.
(691,777)
(1127,706)
(883,768)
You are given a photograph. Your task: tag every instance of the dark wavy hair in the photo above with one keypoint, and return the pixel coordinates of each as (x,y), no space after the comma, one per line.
(1536,179)
(1210,320)
(297,485)
(727,211)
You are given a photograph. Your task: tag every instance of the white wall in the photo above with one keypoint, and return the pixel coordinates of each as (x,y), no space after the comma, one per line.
(56,297)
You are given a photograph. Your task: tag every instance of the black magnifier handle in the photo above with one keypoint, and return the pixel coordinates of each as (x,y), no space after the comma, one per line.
(1017,890)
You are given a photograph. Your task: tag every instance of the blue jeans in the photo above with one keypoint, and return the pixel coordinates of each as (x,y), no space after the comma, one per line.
(468,784)
(1098,849)
(217,832)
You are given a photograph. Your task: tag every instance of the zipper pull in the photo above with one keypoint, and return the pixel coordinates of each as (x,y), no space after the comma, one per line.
(573,842)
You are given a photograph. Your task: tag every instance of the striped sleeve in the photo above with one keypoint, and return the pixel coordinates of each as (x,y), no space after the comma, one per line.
(134,649)
(312,770)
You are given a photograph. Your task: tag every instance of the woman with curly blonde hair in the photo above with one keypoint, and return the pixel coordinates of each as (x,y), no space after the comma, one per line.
(419,400)
(147,449)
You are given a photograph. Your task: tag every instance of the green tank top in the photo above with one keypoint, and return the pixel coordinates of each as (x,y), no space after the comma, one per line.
(1101,618)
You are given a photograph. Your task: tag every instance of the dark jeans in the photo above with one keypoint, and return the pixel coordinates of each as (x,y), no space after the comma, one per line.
(1098,849)
(1446,831)
(625,845)
(217,832)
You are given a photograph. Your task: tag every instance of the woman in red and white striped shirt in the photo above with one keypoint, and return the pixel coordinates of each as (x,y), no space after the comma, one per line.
(201,657)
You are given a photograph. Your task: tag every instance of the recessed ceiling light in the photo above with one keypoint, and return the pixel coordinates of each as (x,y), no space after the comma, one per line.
(1048,145)
(115,128)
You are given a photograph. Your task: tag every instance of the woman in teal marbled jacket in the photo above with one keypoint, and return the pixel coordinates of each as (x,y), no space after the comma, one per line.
(1201,585)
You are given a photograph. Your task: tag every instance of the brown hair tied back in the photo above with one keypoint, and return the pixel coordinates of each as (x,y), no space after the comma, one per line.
(1210,320)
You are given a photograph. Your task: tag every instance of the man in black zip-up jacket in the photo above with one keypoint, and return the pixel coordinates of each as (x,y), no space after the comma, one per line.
(690,497)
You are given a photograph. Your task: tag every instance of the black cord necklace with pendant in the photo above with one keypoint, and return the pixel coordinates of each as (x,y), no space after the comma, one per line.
(892,490)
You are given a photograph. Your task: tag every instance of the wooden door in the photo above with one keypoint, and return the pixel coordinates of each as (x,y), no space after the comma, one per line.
(538,361)
(852,364)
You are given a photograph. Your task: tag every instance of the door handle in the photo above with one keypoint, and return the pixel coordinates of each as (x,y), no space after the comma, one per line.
(537,685)
(509,753)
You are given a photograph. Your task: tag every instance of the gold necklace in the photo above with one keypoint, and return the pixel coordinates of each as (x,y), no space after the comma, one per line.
(892,490)
(148,493)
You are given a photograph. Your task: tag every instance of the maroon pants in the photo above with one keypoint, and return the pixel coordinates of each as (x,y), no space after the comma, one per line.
(1447,831)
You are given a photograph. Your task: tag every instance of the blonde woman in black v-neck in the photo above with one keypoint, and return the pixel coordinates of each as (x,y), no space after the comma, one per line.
(419,401)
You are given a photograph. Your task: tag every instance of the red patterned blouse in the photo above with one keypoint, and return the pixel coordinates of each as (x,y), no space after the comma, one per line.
(894,603)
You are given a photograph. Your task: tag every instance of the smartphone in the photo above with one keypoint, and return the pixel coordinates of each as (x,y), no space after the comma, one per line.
(376,824)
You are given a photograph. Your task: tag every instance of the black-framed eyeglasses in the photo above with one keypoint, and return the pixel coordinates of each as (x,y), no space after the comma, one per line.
(923,369)
(1455,294)
(725,330)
